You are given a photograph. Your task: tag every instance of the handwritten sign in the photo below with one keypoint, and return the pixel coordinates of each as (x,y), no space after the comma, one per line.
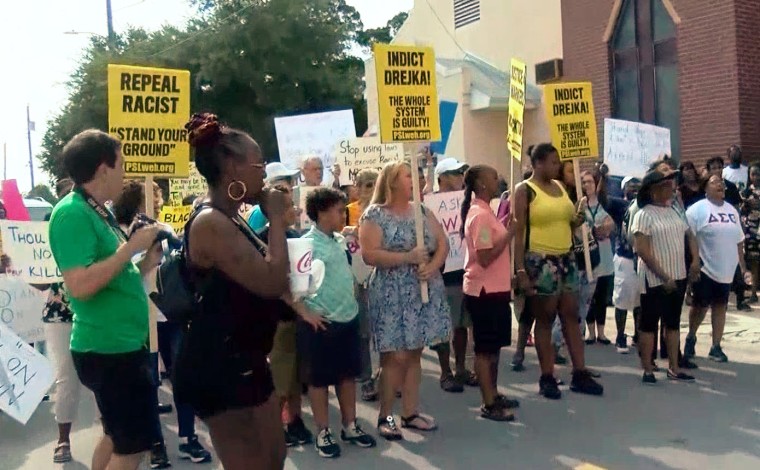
(180,188)
(518,75)
(313,134)
(25,376)
(147,110)
(406,93)
(572,122)
(176,216)
(355,155)
(362,271)
(26,243)
(301,192)
(21,307)
(447,209)
(629,147)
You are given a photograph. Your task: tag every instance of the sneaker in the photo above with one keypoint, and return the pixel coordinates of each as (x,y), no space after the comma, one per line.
(582,382)
(194,451)
(326,445)
(355,435)
(518,367)
(743,307)
(717,355)
(621,344)
(753,299)
(369,390)
(517,362)
(689,347)
(686,363)
(451,385)
(507,403)
(547,386)
(62,453)
(164,408)
(496,412)
(649,379)
(158,457)
(300,432)
(290,440)
(680,377)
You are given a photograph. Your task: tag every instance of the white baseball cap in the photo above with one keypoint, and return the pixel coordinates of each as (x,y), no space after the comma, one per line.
(448,164)
(277,171)
(627,180)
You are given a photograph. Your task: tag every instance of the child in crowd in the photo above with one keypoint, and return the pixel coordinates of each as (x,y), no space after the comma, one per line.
(330,349)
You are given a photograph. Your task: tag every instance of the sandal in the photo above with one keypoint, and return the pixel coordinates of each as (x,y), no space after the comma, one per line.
(62,453)
(386,428)
(507,403)
(451,385)
(412,422)
(496,412)
(468,378)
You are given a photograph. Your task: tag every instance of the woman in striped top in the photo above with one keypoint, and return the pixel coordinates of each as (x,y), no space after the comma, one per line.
(660,243)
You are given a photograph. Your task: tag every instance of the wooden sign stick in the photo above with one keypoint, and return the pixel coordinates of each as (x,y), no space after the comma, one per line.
(153,319)
(584,227)
(418,221)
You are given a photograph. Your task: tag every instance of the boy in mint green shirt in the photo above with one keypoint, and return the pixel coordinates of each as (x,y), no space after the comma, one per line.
(331,351)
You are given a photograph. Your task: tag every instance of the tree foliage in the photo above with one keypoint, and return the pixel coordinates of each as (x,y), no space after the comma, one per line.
(250,61)
(42,191)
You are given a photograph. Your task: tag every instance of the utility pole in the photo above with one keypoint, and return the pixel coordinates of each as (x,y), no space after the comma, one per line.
(29,139)
(109,17)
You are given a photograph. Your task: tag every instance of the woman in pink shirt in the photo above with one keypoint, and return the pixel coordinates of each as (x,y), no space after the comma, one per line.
(487,285)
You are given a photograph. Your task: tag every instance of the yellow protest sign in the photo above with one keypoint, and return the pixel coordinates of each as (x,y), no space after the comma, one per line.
(518,75)
(176,216)
(572,122)
(193,185)
(406,94)
(147,111)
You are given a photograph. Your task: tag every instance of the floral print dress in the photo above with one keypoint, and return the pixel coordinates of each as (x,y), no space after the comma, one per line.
(751,222)
(398,318)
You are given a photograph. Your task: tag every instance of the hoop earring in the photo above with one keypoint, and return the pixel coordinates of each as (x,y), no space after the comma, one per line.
(242,192)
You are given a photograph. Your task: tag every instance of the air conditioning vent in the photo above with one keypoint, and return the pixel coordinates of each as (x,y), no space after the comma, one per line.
(550,71)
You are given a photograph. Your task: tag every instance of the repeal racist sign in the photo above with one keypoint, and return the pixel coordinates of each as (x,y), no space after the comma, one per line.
(360,153)
(27,245)
(447,208)
(406,94)
(147,111)
(518,75)
(572,122)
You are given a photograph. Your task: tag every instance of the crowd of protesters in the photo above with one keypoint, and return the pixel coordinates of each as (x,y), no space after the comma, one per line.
(674,234)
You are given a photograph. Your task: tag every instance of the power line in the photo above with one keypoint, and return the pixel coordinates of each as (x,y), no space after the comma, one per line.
(198,33)
(443,25)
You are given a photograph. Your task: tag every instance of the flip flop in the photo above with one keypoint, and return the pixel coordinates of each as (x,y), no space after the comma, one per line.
(409,423)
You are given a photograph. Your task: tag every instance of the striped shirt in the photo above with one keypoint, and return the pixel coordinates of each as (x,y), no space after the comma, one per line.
(666,229)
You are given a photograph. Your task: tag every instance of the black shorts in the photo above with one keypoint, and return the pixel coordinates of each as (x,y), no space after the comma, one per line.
(328,357)
(657,304)
(707,292)
(126,396)
(491,321)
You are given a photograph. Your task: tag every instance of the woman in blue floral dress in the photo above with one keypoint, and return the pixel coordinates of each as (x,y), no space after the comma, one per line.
(401,324)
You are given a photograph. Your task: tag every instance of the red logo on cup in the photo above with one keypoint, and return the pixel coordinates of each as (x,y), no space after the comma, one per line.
(304,264)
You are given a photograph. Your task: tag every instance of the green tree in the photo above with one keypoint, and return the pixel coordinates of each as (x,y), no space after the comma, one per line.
(44,192)
(250,61)
(385,34)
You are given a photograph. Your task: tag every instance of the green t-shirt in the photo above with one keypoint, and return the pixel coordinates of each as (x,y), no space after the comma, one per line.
(334,299)
(115,320)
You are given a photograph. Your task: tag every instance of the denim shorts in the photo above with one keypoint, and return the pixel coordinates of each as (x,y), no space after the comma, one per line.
(552,274)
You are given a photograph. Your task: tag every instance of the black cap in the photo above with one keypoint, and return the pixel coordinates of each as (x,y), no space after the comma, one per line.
(651,179)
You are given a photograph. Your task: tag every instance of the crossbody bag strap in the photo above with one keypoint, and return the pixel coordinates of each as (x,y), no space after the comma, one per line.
(104,213)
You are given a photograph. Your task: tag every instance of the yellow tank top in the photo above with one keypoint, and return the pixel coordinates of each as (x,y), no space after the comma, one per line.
(550,219)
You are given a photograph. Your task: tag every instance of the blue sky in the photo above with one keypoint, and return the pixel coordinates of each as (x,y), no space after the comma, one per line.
(37,57)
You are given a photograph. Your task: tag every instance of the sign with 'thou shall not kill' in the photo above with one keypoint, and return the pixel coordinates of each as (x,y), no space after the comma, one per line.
(147,112)
(28,247)
(406,92)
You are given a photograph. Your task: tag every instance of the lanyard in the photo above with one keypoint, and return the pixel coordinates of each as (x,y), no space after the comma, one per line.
(594,212)
(104,213)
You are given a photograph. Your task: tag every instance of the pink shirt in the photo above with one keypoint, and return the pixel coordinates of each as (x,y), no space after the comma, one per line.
(481,231)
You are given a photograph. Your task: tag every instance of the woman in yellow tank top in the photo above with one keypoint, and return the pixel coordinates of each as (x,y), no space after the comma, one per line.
(546,269)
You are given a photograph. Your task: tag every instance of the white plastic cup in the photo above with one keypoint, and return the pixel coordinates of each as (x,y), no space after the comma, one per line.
(300,253)
(299,285)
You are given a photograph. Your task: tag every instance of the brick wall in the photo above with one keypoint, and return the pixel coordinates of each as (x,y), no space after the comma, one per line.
(712,84)
(747,19)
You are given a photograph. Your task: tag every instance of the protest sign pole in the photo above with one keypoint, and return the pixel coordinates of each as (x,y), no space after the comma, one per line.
(584,227)
(419,227)
(153,319)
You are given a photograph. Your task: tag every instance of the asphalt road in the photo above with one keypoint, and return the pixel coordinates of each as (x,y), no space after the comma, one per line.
(713,423)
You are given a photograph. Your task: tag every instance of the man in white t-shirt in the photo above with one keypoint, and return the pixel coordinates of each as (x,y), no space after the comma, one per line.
(717,227)
(736,172)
